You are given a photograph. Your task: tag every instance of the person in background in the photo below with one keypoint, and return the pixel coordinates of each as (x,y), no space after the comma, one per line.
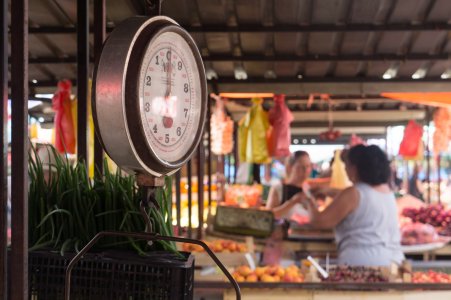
(284,199)
(414,185)
(395,181)
(364,215)
(315,172)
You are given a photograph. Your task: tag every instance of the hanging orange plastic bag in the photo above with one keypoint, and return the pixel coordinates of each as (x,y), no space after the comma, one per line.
(411,140)
(419,156)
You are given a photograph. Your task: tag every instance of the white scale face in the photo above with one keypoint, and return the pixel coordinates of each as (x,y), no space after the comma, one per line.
(170,97)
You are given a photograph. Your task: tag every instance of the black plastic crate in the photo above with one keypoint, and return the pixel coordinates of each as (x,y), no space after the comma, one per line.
(112,275)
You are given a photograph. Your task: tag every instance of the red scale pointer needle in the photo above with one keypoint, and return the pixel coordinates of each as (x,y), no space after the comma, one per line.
(168,121)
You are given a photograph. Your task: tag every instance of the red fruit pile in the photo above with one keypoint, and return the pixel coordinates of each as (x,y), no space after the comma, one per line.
(418,233)
(355,274)
(431,277)
(435,215)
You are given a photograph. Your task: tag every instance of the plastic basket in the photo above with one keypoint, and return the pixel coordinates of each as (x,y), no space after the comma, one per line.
(112,275)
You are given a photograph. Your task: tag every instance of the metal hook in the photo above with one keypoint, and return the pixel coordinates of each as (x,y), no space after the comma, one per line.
(148,201)
(153,7)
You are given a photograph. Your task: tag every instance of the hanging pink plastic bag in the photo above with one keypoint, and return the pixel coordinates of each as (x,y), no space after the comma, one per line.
(280,118)
(221,129)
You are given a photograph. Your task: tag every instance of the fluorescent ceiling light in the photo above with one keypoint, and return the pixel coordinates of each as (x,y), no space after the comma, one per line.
(420,73)
(446,74)
(240,73)
(211,74)
(49,96)
(270,74)
(390,73)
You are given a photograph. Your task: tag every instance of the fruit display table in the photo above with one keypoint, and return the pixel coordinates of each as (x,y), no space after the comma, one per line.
(323,291)
(434,253)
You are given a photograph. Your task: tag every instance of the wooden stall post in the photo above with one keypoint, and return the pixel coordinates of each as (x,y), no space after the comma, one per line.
(19,151)
(82,78)
(229,166)
(200,188)
(439,178)
(99,37)
(428,154)
(189,173)
(4,147)
(209,157)
(235,150)
(178,206)
(220,178)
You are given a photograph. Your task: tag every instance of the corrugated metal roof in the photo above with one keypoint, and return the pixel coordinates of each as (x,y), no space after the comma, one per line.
(331,45)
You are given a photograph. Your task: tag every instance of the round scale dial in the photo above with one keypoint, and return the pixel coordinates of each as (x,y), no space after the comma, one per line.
(170,96)
(150,97)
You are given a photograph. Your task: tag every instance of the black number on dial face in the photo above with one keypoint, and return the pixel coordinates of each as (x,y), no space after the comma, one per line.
(179,131)
(148,80)
(147,106)
(185,110)
(155,129)
(168,55)
(185,88)
(166,138)
(179,65)
(157,63)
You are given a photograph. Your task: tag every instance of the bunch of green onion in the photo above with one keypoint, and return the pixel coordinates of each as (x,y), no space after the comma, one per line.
(67,208)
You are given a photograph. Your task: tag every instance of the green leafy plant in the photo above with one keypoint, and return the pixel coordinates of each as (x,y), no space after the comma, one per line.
(67,208)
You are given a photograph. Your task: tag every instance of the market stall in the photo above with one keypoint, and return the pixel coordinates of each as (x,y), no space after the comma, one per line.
(211,105)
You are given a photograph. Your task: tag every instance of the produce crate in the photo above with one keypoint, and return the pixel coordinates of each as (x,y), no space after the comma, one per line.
(228,258)
(112,275)
(245,221)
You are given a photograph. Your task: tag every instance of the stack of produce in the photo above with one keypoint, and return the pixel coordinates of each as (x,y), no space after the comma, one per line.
(268,274)
(431,277)
(356,274)
(418,233)
(435,215)
(244,195)
(218,246)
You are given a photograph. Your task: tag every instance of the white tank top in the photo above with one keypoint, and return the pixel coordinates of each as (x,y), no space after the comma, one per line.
(370,234)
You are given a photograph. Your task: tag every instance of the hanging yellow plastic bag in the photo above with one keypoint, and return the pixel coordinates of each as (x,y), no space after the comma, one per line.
(253,146)
(339,178)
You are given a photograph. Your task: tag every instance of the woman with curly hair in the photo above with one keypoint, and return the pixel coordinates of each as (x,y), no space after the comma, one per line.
(364,215)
